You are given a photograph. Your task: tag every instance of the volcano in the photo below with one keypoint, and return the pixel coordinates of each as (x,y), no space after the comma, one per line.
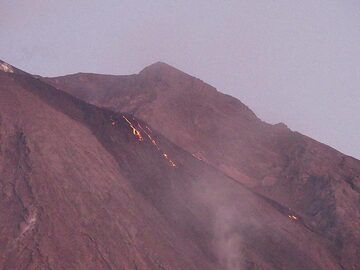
(159,170)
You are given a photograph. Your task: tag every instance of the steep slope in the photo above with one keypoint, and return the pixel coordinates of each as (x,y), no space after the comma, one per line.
(86,188)
(318,183)
(65,203)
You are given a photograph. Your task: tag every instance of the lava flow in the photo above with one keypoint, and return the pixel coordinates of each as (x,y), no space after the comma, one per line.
(149,136)
(292,217)
(172,163)
(136,133)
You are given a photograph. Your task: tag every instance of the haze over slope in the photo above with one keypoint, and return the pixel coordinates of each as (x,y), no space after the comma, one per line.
(171,175)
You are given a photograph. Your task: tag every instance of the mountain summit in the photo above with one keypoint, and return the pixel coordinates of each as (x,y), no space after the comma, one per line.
(159,170)
(160,67)
(163,71)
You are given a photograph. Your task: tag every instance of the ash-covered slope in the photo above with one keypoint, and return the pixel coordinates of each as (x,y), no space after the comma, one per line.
(66,201)
(317,182)
(88,188)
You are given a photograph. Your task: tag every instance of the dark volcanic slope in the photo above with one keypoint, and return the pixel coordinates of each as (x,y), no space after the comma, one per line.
(318,183)
(65,204)
(87,188)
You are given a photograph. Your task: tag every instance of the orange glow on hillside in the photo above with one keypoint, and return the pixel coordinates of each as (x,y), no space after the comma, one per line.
(138,135)
(136,132)
(293,217)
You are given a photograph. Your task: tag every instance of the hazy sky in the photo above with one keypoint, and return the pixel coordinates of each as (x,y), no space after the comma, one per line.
(296,62)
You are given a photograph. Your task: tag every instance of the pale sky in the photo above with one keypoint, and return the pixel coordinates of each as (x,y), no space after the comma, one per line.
(296,62)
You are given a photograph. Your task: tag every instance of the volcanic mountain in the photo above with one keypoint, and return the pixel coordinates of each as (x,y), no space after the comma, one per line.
(159,170)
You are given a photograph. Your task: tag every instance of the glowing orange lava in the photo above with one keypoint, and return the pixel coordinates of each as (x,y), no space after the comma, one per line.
(292,217)
(149,136)
(153,142)
(136,133)
(172,164)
